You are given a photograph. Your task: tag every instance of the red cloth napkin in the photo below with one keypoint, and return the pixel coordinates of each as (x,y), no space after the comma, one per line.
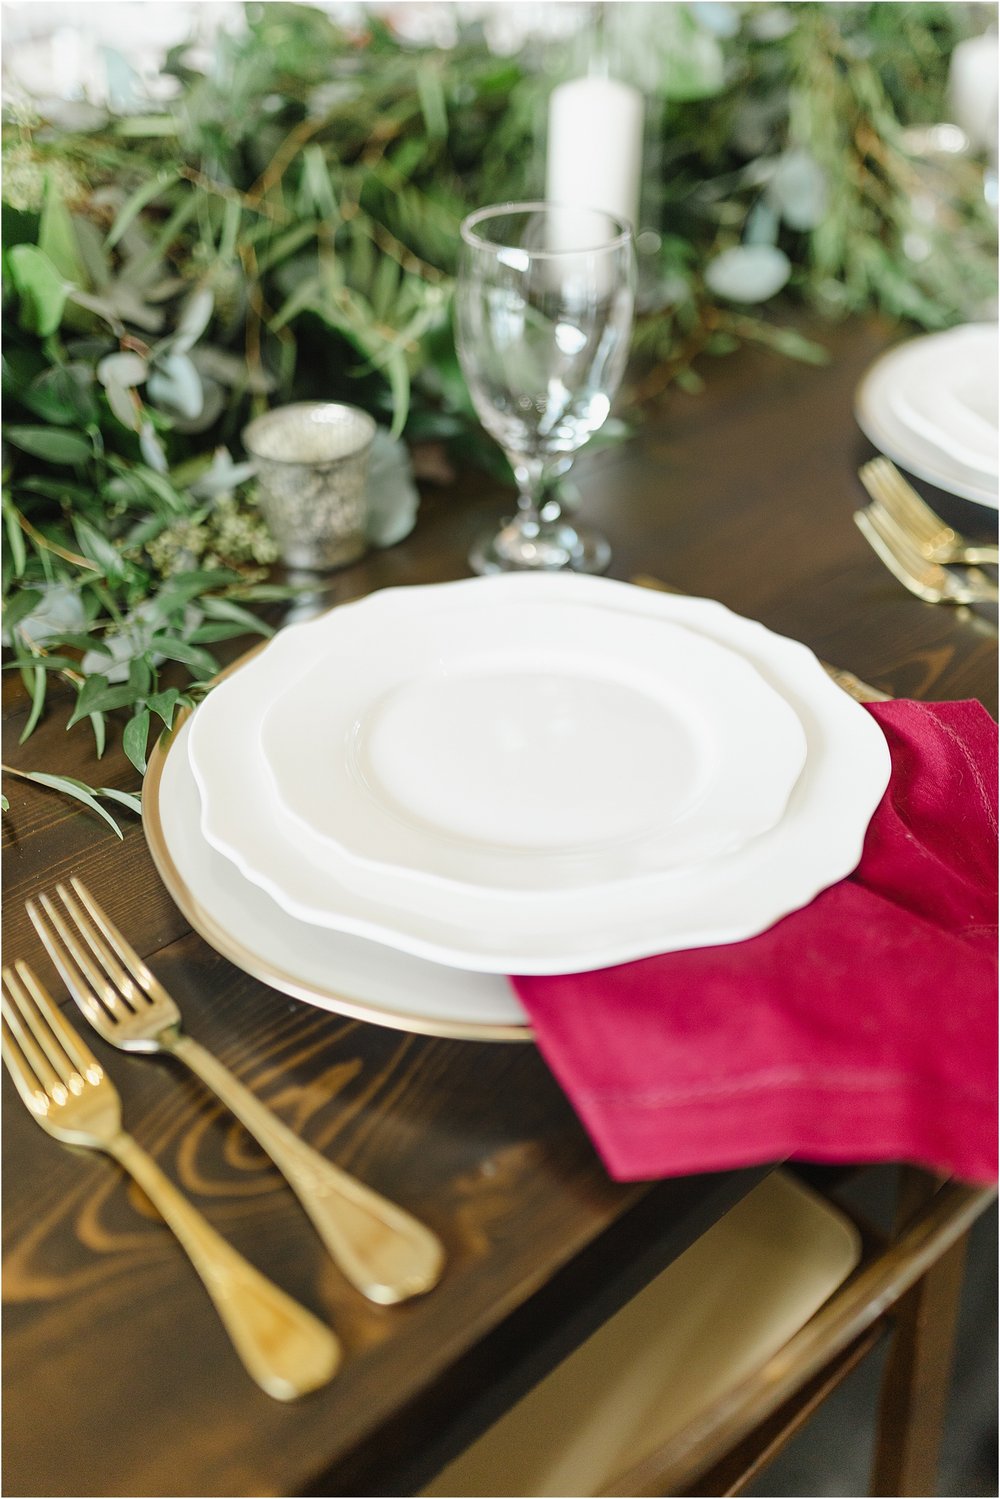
(861,1028)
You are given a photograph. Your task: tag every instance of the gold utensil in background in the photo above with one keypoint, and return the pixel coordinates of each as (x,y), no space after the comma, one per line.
(938,541)
(283,1346)
(930,581)
(381,1249)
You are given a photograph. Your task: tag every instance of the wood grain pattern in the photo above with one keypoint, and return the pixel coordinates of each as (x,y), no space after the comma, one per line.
(118,1380)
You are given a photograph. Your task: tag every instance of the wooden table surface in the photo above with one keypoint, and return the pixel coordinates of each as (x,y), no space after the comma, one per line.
(118,1376)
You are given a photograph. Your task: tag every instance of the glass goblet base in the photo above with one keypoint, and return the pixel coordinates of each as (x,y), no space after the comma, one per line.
(545,546)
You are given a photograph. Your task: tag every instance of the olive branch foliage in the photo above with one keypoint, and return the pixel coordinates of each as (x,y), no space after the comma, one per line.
(286,227)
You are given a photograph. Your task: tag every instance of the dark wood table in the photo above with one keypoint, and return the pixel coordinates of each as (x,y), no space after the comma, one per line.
(118,1377)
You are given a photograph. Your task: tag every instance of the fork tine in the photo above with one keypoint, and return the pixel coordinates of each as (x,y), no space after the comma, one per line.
(869,522)
(973,586)
(889,475)
(66,1035)
(21,1071)
(75,966)
(879,480)
(125,983)
(142,975)
(905,547)
(15,1006)
(61,1059)
(929,579)
(908,502)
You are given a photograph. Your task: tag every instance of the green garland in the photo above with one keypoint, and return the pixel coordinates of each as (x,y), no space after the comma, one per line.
(286,228)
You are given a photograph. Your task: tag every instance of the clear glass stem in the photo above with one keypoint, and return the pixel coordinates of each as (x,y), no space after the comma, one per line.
(538,537)
(533,479)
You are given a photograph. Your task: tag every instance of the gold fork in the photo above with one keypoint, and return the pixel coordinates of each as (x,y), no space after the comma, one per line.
(283,1346)
(928,580)
(938,541)
(387,1254)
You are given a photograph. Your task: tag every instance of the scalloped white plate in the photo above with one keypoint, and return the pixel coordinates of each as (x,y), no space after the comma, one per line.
(476,745)
(817,841)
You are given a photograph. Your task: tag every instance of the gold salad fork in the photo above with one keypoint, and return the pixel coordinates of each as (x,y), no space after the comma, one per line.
(283,1346)
(387,1254)
(930,581)
(938,541)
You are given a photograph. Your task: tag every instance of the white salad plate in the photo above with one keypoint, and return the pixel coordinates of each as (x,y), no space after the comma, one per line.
(525,746)
(815,842)
(931,405)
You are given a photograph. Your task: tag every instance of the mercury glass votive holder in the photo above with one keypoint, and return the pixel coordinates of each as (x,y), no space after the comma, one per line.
(312,468)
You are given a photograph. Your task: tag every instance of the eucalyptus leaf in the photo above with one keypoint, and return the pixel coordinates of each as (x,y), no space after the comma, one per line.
(158,483)
(51,443)
(172,649)
(175,386)
(151,448)
(125,368)
(98,723)
(134,738)
(762,225)
(40,286)
(432,100)
(226,609)
(123,403)
(798,190)
(163,704)
(748,273)
(63,395)
(217,630)
(69,786)
(140,675)
(140,199)
(222,475)
(123,798)
(99,549)
(94,259)
(194,319)
(57,236)
(38,691)
(98,695)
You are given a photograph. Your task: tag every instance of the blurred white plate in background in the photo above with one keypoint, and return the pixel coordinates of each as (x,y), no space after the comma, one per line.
(930,404)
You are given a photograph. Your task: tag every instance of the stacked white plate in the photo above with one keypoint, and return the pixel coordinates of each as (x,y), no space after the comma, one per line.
(389,808)
(931,405)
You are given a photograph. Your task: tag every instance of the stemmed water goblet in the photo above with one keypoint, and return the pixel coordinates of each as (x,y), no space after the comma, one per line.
(544,306)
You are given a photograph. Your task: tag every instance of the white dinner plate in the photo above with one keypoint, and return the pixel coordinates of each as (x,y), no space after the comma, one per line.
(816,842)
(525,746)
(931,405)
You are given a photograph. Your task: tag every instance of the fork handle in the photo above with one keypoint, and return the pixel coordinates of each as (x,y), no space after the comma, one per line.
(283,1346)
(387,1254)
(978,553)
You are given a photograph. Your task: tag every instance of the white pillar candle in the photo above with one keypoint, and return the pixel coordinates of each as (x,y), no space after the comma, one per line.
(972,90)
(594,157)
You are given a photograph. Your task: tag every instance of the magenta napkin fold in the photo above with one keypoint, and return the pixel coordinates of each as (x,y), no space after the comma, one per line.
(861,1028)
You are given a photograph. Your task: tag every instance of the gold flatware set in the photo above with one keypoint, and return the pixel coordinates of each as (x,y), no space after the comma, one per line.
(917,546)
(382,1250)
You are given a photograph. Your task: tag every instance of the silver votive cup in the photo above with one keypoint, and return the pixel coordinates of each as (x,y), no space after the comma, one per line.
(312,467)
